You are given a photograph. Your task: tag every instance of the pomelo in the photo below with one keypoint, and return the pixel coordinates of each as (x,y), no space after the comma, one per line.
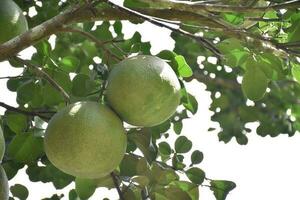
(143,90)
(86,140)
(12,20)
(2,145)
(4,190)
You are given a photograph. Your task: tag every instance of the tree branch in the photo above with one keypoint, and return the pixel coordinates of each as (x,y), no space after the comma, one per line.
(25,112)
(200,8)
(207,44)
(46,76)
(115,180)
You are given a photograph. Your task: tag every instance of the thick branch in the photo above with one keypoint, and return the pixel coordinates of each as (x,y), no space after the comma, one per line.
(200,8)
(46,76)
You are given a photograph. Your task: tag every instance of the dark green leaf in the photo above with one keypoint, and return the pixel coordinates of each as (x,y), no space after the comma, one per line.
(221,188)
(164,148)
(196,157)
(196,175)
(183,145)
(19,191)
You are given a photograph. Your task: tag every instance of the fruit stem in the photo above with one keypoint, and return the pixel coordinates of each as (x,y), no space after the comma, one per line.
(115,179)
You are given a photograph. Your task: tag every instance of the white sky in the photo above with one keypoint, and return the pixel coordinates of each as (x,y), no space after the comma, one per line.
(266,168)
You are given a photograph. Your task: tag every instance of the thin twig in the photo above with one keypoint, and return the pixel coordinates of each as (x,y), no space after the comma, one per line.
(114,177)
(207,44)
(92,38)
(46,76)
(11,77)
(25,112)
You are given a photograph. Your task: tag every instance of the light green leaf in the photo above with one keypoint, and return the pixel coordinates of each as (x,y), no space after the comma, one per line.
(184,70)
(296,71)
(69,63)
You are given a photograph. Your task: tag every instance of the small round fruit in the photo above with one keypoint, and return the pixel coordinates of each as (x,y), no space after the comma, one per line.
(4,191)
(143,90)
(12,20)
(2,145)
(86,140)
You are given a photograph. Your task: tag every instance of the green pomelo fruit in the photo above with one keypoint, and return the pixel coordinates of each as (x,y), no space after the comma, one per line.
(2,145)
(12,21)
(4,190)
(86,140)
(143,90)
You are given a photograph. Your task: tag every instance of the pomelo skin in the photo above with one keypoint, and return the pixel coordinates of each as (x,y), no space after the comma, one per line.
(12,20)
(86,140)
(2,145)
(143,90)
(4,190)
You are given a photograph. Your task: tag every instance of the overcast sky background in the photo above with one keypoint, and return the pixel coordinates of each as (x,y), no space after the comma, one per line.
(266,168)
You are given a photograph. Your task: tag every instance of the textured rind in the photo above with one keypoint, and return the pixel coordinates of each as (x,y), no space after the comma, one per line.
(12,20)
(2,145)
(143,90)
(4,190)
(86,140)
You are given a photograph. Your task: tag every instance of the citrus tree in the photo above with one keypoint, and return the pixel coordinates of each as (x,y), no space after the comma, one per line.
(255,79)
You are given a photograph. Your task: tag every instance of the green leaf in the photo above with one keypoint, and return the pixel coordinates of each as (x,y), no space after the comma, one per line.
(221,188)
(195,175)
(233,18)
(184,70)
(69,63)
(177,126)
(167,55)
(164,148)
(161,175)
(143,140)
(49,173)
(43,48)
(296,71)
(19,191)
(189,101)
(254,82)
(26,148)
(83,85)
(183,145)
(196,157)
(16,122)
(190,188)
(143,181)
(85,187)
(234,52)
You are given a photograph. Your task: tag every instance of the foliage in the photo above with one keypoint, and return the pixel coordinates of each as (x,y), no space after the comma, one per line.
(255,78)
